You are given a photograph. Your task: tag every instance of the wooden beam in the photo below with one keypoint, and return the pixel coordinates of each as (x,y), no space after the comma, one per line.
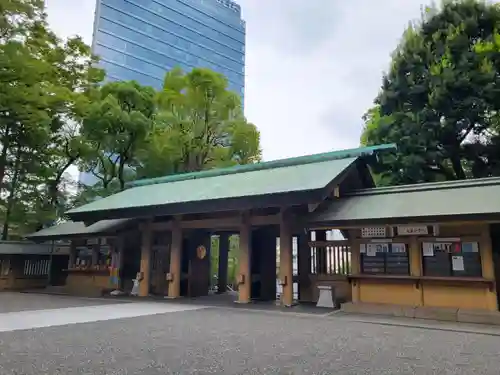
(403,222)
(219,224)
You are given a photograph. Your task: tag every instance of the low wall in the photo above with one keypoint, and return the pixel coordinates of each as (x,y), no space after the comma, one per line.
(462,315)
(22,283)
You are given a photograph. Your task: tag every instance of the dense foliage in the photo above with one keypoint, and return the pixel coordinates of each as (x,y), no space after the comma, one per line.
(56,112)
(440,99)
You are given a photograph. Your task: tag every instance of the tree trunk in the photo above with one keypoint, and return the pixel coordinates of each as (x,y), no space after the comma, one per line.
(11,198)
(456,163)
(3,156)
(121,178)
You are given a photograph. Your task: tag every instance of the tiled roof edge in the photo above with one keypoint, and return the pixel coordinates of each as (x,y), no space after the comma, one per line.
(301,160)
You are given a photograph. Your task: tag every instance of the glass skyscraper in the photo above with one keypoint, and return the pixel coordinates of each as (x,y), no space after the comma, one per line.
(142,39)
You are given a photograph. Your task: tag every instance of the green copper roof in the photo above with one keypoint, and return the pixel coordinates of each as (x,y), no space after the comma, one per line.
(453,198)
(301,160)
(71,228)
(306,173)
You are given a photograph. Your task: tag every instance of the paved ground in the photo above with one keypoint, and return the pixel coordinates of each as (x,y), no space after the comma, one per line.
(10,302)
(176,340)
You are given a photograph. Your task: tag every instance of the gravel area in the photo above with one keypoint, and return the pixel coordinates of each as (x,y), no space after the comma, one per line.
(12,302)
(231,341)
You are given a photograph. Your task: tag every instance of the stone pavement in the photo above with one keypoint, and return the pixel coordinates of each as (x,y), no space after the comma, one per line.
(182,339)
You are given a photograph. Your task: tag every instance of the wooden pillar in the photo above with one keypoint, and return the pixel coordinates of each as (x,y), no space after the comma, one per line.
(146,236)
(72,255)
(286,260)
(415,258)
(355,244)
(95,253)
(321,257)
(120,241)
(488,268)
(245,275)
(223,262)
(11,277)
(175,274)
(304,267)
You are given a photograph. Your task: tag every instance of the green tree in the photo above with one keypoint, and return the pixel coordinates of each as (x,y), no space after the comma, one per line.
(439,101)
(43,78)
(117,122)
(199,125)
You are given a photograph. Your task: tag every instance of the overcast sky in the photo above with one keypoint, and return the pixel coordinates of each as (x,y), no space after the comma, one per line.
(313,66)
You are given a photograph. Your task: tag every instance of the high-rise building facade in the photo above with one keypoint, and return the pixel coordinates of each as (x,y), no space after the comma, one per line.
(142,39)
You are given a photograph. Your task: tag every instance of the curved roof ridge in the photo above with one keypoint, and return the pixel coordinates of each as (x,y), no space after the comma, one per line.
(289,162)
(485,181)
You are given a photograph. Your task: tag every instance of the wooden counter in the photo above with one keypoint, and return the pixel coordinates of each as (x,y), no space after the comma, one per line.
(88,271)
(419,280)
(88,281)
(430,291)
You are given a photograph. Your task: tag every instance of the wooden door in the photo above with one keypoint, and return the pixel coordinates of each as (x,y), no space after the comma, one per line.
(199,265)
(160,265)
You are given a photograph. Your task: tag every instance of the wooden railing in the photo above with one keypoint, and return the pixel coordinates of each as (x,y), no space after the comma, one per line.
(36,267)
(330,257)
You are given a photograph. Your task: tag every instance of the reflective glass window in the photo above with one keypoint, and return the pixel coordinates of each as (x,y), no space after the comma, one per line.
(161,41)
(160,15)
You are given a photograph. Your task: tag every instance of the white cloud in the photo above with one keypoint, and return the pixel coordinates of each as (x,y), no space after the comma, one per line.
(313,66)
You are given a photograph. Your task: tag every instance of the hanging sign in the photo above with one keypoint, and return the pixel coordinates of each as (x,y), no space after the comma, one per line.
(412,230)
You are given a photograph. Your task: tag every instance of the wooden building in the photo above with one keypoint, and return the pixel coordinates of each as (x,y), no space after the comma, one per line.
(421,251)
(424,251)
(26,265)
(90,254)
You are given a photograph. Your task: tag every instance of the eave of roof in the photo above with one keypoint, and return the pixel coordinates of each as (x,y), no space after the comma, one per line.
(24,248)
(78,229)
(451,199)
(217,190)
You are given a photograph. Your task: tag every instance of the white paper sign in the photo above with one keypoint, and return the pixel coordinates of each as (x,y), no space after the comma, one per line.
(362,248)
(399,248)
(428,249)
(371,250)
(457,263)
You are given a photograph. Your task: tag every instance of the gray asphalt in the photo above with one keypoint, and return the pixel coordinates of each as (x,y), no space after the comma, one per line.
(231,341)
